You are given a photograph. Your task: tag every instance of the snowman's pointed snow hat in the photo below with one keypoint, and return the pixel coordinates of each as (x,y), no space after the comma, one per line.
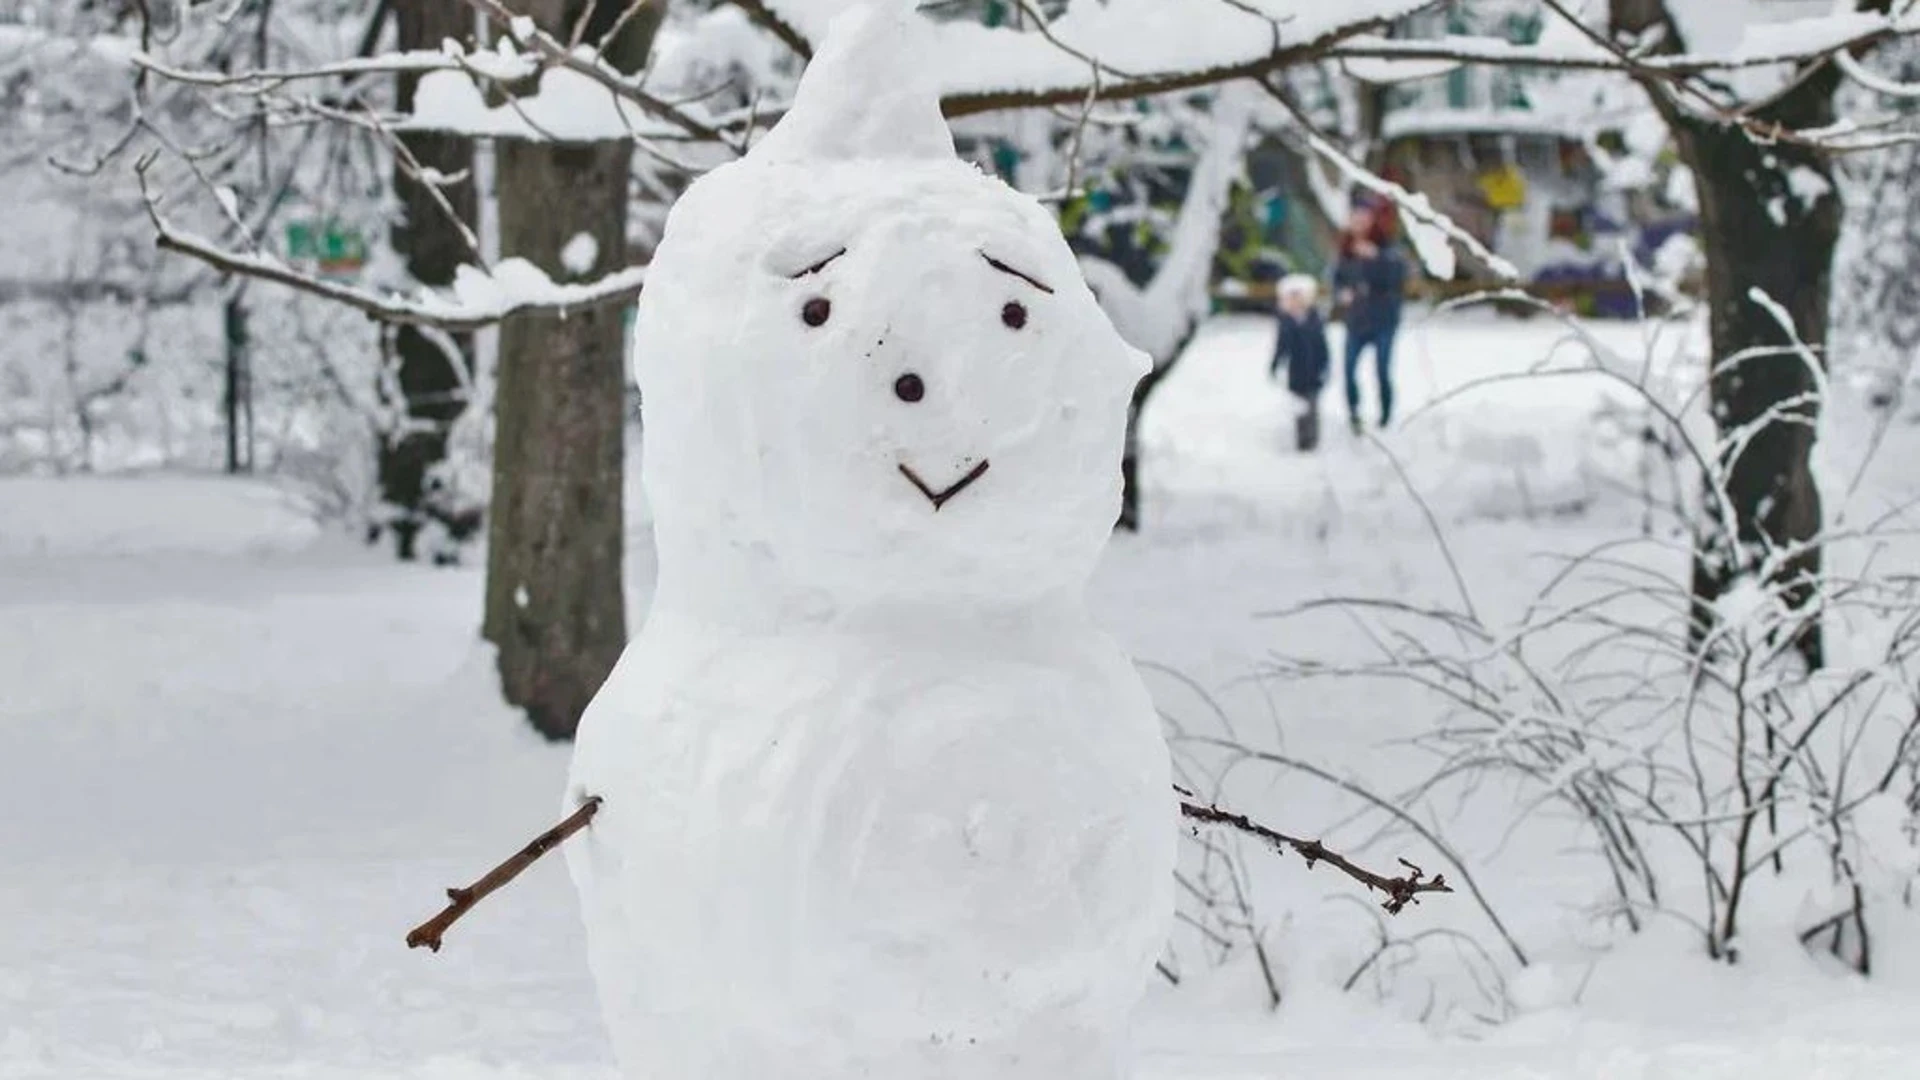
(866,94)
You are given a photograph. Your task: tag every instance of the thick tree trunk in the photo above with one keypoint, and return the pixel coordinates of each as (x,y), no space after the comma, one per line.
(555,605)
(1769,224)
(429,380)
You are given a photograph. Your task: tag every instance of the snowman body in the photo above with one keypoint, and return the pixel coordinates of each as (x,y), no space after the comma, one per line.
(856,855)
(880,801)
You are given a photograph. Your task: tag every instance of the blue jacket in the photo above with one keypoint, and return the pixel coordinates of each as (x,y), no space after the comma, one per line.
(1379,287)
(1302,349)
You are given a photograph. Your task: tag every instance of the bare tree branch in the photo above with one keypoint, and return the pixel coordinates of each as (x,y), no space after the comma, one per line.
(403,156)
(634,8)
(460,901)
(1400,891)
(1094,64)
(778,27)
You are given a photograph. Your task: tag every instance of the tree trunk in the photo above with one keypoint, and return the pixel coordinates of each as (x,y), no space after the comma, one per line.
(1130,456)
(555,605)
(237,397)
(1371,126)
(428,378)
(1769,223)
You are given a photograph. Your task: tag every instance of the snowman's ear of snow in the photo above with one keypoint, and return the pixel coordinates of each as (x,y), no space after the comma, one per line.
(866,94)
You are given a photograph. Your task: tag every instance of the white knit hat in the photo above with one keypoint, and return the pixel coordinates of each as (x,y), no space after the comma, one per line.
(1305,286)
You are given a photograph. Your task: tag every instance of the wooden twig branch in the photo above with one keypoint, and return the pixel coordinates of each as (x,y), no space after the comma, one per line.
(460,901)
(1399,891)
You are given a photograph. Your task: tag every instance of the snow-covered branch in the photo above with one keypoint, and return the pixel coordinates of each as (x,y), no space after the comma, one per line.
(579,97)
(1792,41)
(1118,50)
(1144,47)
(1852,68)
(1430,231)
(505,66)
(1159,318)
(479,297)
(588,63)
(1138,48)
(1761,44)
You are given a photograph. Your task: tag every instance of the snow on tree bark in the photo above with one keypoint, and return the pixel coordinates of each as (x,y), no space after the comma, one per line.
(1769,224)
(554,605)
(1760,233)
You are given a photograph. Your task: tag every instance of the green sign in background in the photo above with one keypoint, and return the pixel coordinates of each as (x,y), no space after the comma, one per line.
(340,251)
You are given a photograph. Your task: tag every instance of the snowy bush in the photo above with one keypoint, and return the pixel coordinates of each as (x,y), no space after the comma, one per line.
(115,356)
(1718,781)
(139,387)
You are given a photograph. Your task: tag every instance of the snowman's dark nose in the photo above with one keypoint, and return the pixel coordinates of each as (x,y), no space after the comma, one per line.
(909,388)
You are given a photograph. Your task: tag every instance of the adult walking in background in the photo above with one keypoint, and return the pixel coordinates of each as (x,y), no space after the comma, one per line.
(1369,284)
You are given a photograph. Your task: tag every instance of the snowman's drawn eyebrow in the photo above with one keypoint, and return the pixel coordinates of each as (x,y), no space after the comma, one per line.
(816,267)
(1028,278)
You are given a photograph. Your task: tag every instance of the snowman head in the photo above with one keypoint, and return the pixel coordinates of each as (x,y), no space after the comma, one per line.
(871,375)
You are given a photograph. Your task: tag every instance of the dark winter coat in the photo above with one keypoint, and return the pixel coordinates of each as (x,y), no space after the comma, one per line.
(1302,350)
(1379,287)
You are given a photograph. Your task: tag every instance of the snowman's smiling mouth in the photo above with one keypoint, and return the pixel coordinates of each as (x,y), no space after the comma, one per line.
(939,498)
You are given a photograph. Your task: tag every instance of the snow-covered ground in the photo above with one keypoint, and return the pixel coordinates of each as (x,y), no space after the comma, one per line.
(239,757)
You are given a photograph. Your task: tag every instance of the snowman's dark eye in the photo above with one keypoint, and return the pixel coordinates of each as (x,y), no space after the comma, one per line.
(815,311)
(1014,315)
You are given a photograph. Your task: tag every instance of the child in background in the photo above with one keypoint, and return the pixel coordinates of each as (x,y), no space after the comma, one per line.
(1302,350)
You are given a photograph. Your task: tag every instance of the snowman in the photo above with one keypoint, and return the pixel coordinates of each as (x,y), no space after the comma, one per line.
(880,800)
